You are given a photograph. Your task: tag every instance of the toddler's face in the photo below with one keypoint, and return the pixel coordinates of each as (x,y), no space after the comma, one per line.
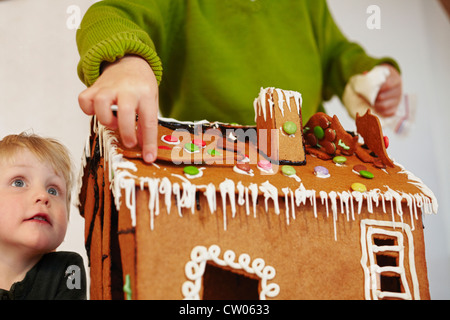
(33,211)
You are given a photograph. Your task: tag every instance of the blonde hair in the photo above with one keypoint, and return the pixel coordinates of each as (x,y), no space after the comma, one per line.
(45,149)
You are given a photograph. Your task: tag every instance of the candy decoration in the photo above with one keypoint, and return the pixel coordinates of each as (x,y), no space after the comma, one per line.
(366,174)
(325,137)
(191,170)
(244,166)
(190,147)
(319,133)
(343,145)
(386,141)
(339,159)
(127,287)
(321,172)
(357,168)
(359,187)
(330,134)
(170,139)
(288,170)
(213,152)
(265,164)
(323,122)
(311,139)
(289,127)
(199,143)
(329,146)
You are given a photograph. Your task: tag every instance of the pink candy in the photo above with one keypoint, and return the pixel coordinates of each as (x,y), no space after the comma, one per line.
(264,164)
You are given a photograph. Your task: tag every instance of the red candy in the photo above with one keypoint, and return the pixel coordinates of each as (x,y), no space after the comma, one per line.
(199,143)
(170,139)
(386,141)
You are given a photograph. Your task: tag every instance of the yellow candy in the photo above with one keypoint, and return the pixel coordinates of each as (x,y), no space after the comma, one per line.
(359,187)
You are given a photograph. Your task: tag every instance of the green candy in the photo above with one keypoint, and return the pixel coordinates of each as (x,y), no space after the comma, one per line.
(290,127)
(339,159)
(213,152)
(366,174)
(288,170)
(318,132)
(191,170)
(191,147)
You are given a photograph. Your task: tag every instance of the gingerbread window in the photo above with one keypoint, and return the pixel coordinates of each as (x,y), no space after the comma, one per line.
(388,260)
(206,265)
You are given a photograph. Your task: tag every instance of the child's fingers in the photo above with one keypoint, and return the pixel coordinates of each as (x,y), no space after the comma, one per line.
(127,104)
(148,127)
(386,108)
(86,102)
(103,101)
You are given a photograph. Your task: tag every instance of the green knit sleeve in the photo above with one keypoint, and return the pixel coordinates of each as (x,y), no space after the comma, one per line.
(341,58)
(109,30)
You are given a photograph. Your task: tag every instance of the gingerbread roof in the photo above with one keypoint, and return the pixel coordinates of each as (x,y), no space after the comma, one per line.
(221,162)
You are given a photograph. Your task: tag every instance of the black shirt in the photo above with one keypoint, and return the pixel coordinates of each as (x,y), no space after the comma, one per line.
(57,276)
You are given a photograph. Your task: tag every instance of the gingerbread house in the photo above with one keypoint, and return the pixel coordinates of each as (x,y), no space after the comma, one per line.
(215,217)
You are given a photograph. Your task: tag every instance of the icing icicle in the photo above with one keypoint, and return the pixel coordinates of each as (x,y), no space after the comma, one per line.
(124,178)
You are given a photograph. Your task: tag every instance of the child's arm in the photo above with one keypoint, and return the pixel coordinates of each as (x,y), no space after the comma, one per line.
(131,84)
(122,36)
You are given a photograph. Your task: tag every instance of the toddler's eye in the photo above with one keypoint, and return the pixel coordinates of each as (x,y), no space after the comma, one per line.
(18,183)
(53,191)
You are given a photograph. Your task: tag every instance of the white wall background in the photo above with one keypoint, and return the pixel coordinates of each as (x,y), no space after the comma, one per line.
(39,89)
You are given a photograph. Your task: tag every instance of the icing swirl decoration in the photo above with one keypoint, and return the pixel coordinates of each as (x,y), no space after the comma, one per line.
(200,255)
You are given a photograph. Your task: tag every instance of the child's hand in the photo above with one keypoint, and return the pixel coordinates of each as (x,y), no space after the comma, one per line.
(130,84)
(390,94)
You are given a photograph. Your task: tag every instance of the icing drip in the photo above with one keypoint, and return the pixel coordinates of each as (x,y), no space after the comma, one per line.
(260,106)
(227,188)
(210,194)
(187,198)
(253,187)
(153,202)
(270,192)
(123,184)
(428,207)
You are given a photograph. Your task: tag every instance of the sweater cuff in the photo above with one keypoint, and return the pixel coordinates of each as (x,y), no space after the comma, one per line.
(114,48)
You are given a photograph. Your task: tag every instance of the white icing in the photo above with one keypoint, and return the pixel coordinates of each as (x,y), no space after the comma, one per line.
(200,255)
(264,170)
(270,192)
(261,107)
(240,171)
(293,176)
(372,271)
(123,177)
(227,188)
(210,194)
(253,187)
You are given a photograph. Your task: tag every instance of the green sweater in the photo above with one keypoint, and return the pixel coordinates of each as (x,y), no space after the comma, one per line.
(217,54)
